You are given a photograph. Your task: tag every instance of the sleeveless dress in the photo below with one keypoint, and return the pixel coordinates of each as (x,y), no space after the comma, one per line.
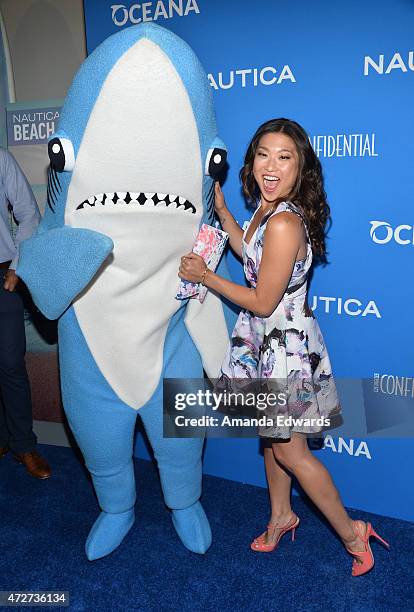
(283,352)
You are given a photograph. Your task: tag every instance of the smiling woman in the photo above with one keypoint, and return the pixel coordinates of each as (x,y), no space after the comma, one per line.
(275,166)
(292,154)
(276,345)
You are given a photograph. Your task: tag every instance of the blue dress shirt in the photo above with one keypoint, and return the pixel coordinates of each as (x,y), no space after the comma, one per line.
(15,189)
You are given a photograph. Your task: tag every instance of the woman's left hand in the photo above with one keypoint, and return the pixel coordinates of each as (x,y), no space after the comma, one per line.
(192,268)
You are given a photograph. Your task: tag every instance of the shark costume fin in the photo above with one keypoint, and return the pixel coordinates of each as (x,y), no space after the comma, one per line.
(66,261)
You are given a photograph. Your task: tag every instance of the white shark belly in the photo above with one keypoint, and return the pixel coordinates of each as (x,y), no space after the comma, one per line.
(141,136)
(125,312)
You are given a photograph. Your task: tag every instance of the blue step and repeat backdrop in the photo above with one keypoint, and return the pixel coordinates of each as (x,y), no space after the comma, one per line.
(345,71)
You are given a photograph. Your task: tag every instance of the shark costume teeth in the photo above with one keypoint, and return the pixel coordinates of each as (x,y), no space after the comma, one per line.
(120,198)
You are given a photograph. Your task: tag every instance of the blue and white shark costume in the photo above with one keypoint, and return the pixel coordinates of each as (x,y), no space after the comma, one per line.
(130,182)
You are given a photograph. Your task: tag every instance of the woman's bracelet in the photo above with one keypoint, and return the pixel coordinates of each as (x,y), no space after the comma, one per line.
(203,276)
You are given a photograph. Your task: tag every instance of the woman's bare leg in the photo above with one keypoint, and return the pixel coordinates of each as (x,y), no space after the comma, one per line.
(279,482)
(316,481)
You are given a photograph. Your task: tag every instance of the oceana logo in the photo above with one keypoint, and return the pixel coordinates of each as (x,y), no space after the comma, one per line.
(382,232)
(151,11)
(355,448)
(382,66)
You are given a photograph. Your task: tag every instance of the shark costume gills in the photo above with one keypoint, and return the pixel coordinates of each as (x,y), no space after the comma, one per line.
(130,182)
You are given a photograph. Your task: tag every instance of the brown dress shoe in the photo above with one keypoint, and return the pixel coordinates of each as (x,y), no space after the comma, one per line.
(3,451)
(35,464)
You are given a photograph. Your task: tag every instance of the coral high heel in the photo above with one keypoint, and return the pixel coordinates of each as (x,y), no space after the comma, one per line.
(366,558)
(259,545)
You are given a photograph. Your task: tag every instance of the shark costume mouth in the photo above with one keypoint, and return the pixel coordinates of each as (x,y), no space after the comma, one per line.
(129,198)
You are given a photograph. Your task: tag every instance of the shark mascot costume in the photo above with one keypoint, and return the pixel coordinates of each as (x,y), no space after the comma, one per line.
(131,179)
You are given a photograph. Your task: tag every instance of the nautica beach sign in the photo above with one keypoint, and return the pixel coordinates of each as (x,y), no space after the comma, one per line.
(31,125)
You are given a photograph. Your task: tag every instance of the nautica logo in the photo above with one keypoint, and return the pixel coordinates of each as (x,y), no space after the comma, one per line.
(396,63)
(243,77)
(349,306)
(151,11)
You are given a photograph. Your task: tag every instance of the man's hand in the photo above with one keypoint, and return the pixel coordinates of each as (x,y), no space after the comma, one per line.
(10,280)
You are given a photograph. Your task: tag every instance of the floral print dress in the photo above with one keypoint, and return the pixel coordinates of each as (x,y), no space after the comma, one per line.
(283,352)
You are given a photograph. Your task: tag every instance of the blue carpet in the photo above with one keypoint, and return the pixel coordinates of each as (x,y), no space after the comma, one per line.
(44,524)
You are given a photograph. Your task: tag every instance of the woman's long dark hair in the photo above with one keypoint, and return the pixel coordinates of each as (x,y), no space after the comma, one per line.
(308,192)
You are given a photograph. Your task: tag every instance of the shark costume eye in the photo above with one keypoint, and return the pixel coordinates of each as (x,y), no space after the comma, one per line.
(62,159)
(61,154)
(215,161)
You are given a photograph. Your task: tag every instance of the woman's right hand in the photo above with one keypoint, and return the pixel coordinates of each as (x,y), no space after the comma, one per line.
(227,221)
(219,201)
